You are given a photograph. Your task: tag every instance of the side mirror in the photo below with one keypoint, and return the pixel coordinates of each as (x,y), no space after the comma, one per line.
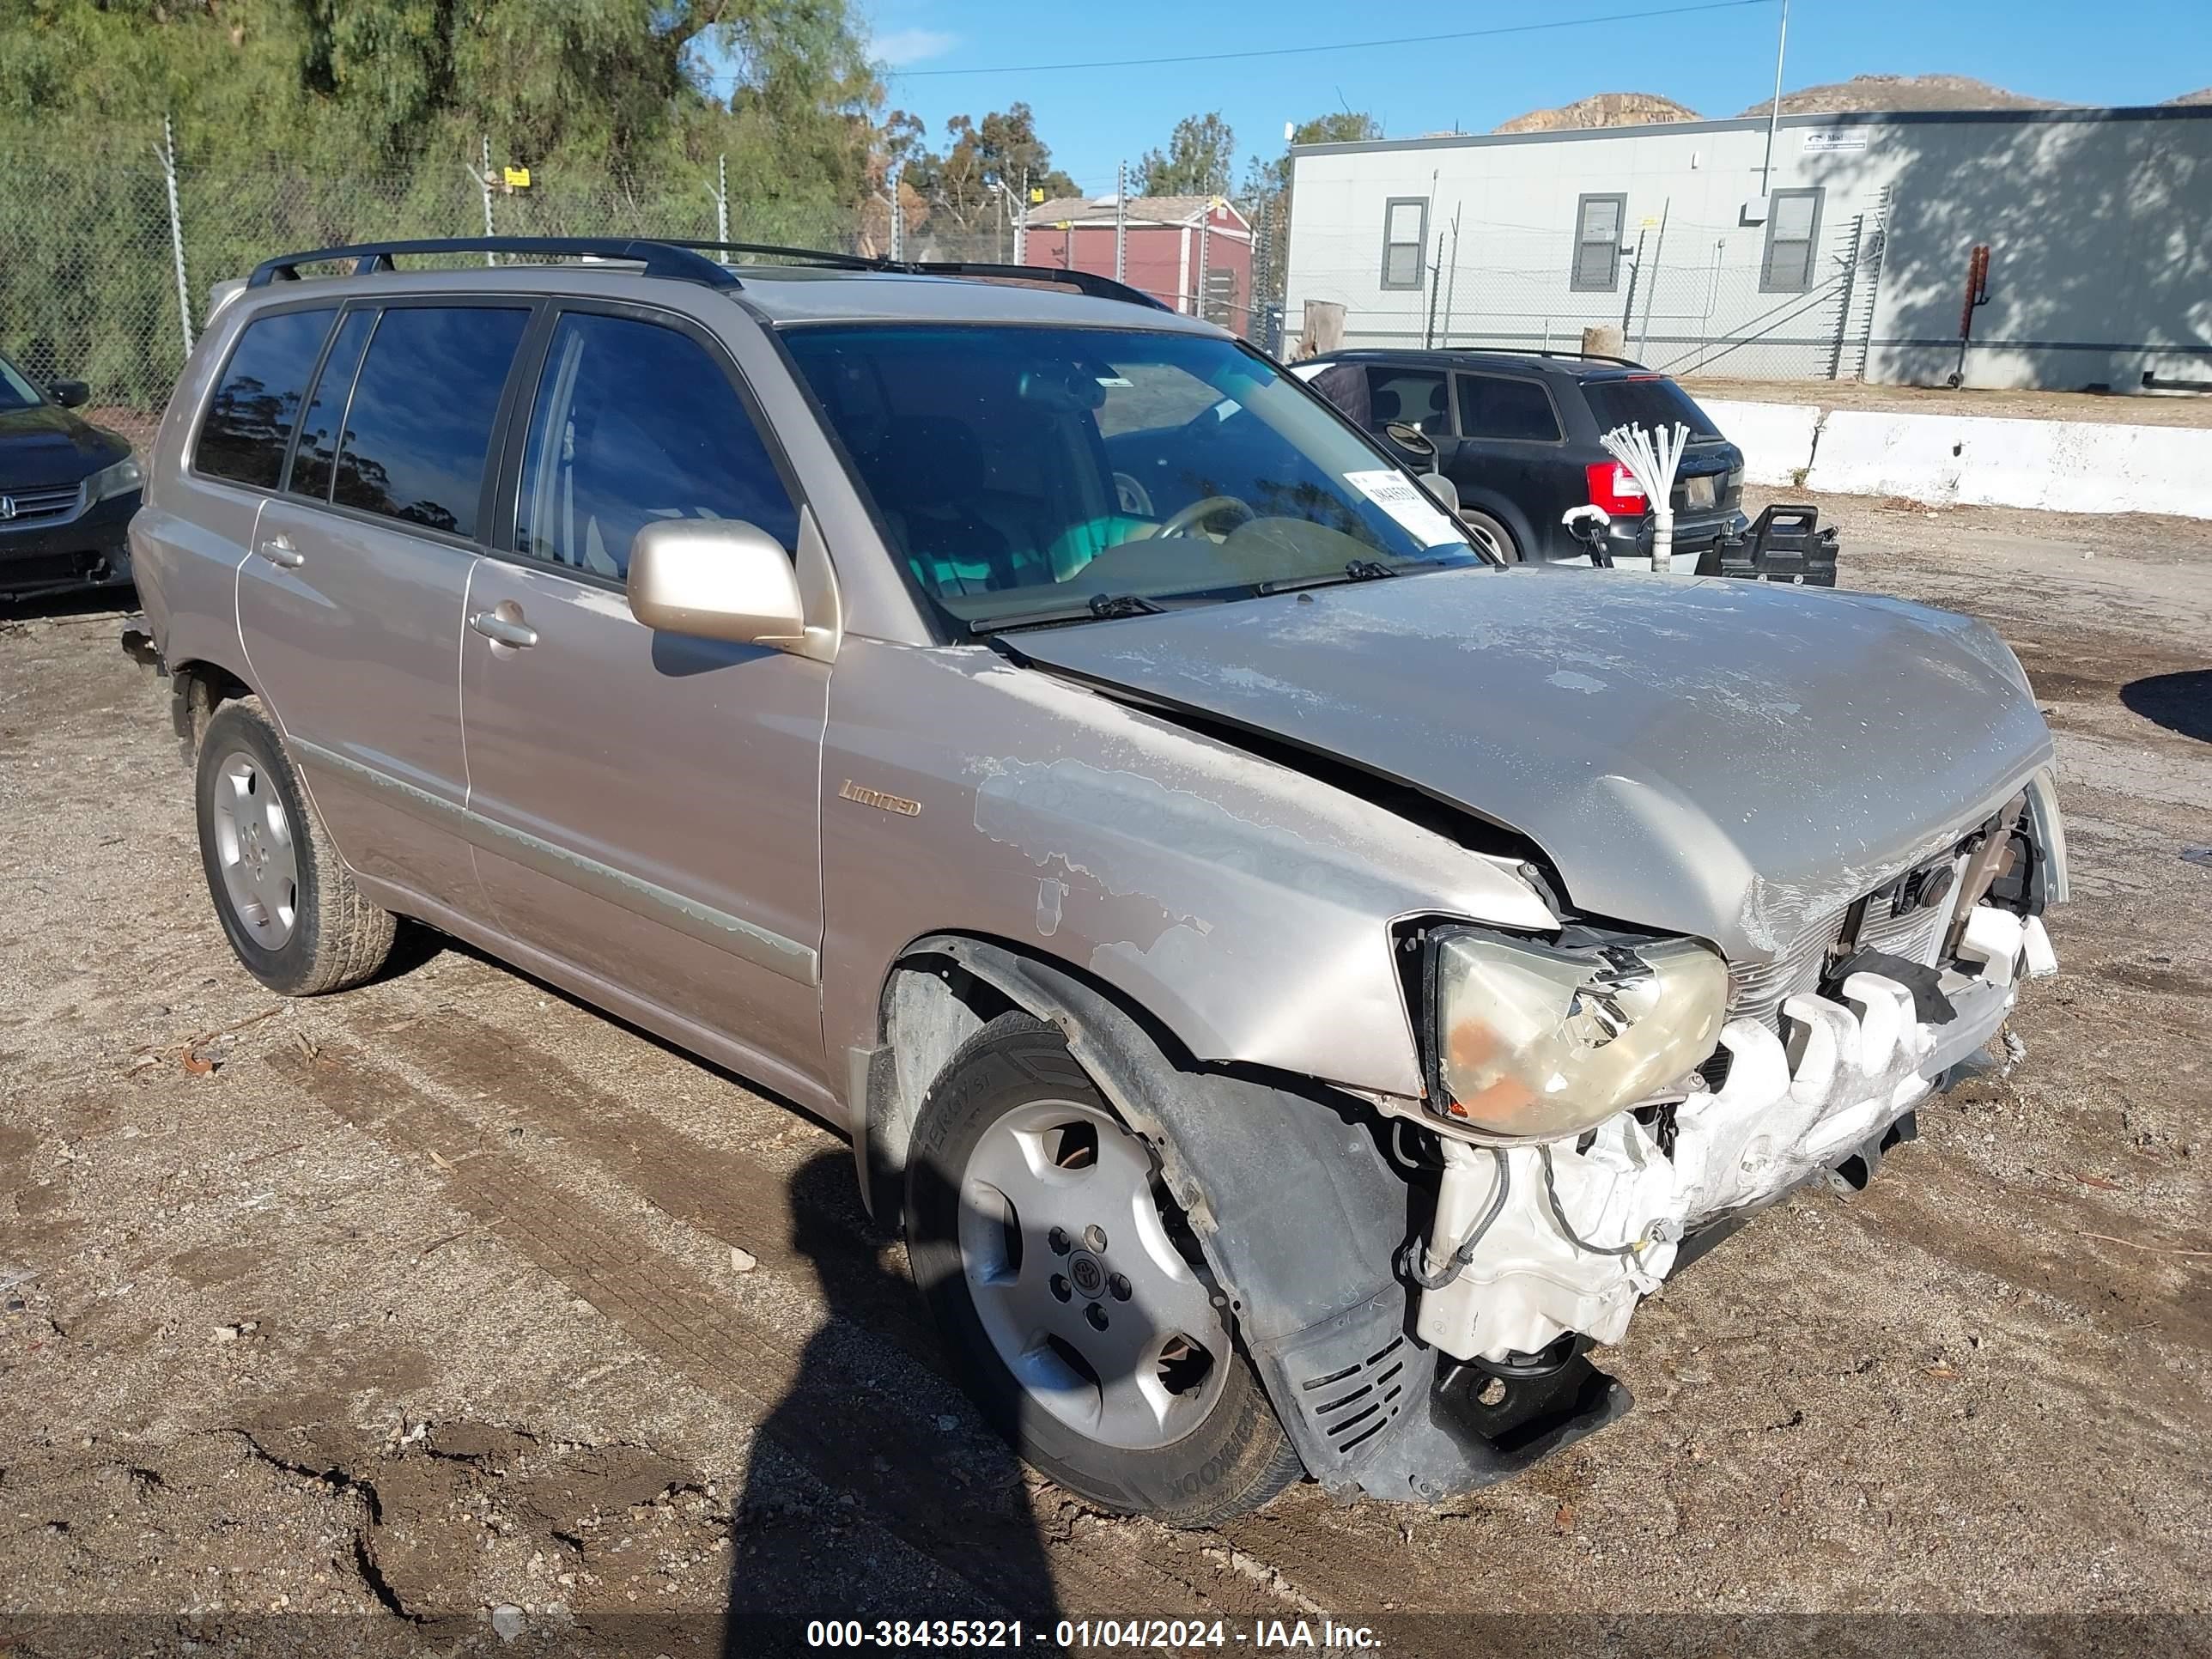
(1445,491)
(69,394)
(1411,439)
(719,579)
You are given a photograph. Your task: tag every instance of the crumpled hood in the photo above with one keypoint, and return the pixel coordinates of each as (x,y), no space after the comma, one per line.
(1723,758)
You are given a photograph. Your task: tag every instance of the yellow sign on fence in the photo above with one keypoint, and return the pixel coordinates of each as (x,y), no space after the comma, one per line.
(515,178)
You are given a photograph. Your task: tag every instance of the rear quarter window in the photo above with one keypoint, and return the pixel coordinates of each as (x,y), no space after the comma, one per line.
(1646,400)
(249,422)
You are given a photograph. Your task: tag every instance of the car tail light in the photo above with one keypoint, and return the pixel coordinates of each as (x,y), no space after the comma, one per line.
(1613,486)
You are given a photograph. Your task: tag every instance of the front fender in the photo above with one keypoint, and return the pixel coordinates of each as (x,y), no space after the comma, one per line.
(1245,907)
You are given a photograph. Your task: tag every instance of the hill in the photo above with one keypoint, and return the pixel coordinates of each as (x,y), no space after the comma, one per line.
(1605,109)
(1886,92)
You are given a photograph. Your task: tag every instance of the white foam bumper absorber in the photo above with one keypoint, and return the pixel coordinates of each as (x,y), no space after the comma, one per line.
(1652,458)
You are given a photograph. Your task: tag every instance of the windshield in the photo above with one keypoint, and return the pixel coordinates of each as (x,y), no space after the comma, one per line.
(1018,470)
(1646,400)
(15,391)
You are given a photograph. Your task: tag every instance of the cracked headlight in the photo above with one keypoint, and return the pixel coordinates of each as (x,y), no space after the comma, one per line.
(1537,1041)
(118,480)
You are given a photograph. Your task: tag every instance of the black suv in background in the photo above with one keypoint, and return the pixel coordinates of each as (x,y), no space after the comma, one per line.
(67,490)
(1517,432)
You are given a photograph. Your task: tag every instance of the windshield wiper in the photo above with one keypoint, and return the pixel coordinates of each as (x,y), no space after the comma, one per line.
(1359,570)
(1100,606)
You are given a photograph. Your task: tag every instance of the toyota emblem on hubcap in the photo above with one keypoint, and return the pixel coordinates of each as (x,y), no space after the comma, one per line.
(1088,1276)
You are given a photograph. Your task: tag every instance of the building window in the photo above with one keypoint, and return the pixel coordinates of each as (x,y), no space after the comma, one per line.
(1404,233)
(1597,243)
(1793,223)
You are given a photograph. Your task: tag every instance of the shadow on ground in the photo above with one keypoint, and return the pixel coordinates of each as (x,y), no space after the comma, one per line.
(2179,702)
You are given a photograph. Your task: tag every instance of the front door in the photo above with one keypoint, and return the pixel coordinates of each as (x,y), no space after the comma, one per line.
(349,602)
(650,802)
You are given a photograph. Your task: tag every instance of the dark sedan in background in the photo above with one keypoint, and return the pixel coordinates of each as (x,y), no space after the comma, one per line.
(67,491)
(1517,433)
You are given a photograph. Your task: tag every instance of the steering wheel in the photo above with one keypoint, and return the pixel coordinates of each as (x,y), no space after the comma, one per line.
(1182,523)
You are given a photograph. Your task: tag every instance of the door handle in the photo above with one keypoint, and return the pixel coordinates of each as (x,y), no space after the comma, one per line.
(279,550)
(504,630)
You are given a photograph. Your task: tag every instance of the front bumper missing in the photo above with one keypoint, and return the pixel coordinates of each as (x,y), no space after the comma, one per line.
(1787,1114)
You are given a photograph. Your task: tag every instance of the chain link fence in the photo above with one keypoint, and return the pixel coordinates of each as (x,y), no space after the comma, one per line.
(1688,300)
(106,275)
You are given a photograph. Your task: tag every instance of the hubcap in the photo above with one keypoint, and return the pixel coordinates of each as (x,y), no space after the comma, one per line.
(1078,1283)
(255,851)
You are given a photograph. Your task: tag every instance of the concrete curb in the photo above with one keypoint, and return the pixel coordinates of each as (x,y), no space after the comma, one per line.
(2069,466)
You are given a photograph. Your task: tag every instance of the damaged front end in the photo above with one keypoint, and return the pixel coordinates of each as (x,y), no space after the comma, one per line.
(1602,1107)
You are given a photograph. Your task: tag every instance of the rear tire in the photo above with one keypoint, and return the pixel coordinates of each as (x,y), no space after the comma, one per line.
(1042,1240)
(287,905)
(1492,533)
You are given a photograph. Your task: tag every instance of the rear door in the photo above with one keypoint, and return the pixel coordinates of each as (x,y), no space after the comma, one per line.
(651,802)
(1512,458)
(350,603)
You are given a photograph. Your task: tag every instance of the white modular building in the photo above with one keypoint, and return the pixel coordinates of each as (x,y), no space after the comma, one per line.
(1835,245)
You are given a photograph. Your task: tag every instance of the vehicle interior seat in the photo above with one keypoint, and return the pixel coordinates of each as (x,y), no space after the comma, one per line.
(931,482)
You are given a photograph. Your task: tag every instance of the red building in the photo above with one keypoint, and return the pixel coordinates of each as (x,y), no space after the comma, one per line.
(1178,248)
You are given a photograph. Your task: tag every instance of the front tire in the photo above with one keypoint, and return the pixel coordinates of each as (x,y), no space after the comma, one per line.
(287,905)
(1072,1293)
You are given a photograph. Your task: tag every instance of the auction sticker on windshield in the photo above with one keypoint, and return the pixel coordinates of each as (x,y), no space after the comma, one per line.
(1406,502)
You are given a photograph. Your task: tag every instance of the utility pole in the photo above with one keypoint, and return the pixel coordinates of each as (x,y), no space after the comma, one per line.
(895,238)
(1451,278)
(168,154)
(1205,252)
(1022,222)
(484,179)
(1121,223)
(1774,114)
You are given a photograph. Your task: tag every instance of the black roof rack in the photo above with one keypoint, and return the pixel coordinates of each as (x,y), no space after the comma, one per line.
(660,258)
(1488,351)
(1088,282)
(685,260)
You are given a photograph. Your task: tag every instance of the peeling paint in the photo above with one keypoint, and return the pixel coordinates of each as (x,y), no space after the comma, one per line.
(1050,892)
(1568,680)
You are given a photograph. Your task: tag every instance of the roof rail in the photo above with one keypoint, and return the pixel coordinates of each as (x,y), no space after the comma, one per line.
(1559,351)
(1090,282)
(660,258)
(1087,282)
(685,260)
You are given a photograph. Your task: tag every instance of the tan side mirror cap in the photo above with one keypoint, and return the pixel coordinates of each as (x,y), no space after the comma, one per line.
(718,578)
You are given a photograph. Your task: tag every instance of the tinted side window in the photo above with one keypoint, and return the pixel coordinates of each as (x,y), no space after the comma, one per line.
(635,422)
(1491,406)
(250,421)
(422,410)
(1415,396)
(319,426)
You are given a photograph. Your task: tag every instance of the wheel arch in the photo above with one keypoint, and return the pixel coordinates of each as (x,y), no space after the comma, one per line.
(1287,1185)
(197,687)
(1508,513)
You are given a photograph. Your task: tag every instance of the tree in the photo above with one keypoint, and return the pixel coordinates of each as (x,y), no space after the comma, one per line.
(1012,153)
(1199,154)
(1266,198)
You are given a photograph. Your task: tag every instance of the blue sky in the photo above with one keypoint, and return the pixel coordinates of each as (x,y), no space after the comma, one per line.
(1718,62)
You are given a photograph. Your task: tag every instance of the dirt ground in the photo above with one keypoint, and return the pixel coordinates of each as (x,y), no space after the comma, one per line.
(449,1315)
(2155,409)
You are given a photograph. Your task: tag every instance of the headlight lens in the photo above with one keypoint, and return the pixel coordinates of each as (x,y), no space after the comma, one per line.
(118,480)
(1540,1040)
